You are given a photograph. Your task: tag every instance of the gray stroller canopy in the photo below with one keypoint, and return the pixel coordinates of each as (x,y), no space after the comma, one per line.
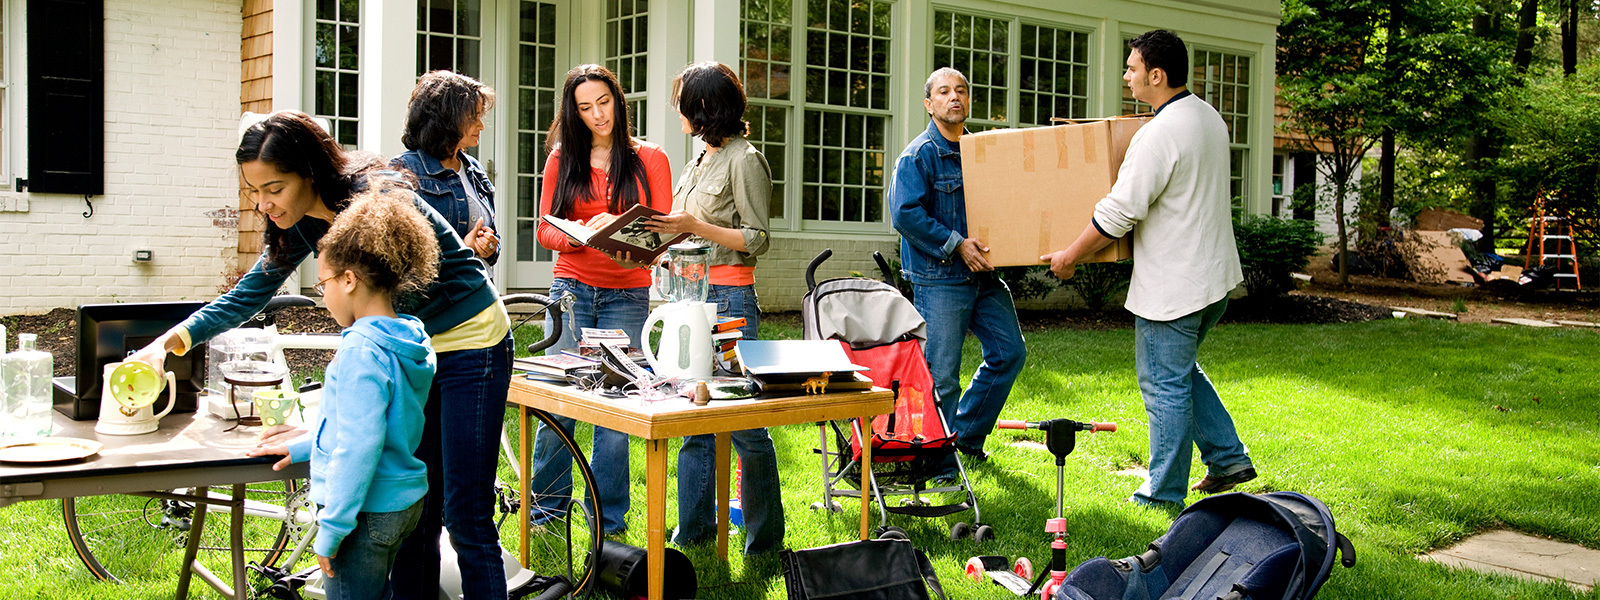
(862,312)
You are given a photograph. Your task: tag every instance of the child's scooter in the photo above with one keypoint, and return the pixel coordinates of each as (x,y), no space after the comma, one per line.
(1060,436)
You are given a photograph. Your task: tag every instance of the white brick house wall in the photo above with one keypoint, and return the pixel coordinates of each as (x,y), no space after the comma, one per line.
(171,114)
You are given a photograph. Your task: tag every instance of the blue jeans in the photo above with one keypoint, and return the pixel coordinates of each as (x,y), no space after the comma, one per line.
(983,306)
(760,496)
(1182,405)
(365,556)
(605,308)
(460,446)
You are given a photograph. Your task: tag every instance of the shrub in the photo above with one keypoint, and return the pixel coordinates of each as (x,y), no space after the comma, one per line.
(1270,249)
(1029,282)
(1098,283)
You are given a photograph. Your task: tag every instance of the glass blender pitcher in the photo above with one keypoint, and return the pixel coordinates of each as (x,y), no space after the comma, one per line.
(686,275)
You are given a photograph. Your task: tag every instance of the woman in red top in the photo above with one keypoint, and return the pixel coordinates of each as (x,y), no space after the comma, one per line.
(612,172)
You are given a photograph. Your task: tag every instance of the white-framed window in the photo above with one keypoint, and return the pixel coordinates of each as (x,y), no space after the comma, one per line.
(449,36)
(627,41)
(1282,187)
(5,98)
(538,84)
(767,64)
(336,67)
(1130,105)
(1223,80)
(1052,68)
(839,53)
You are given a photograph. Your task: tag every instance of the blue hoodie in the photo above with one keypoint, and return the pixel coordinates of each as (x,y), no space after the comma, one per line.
(371,424)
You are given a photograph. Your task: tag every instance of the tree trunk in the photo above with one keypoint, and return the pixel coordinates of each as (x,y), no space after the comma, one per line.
(1569,39)
(1386,162)
(1341,181)
(1527,25)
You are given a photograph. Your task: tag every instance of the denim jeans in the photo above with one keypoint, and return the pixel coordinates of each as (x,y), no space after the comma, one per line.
(759,493)
(365,556)
(460,446)
(982,305)
(605,308)
(1182,405)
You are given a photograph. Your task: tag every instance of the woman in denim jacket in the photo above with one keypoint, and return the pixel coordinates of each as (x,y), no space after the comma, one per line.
(301,179)
(722,199)
(445,118)
(595,172)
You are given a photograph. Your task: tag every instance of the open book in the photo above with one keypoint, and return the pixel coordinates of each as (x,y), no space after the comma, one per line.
(626,234)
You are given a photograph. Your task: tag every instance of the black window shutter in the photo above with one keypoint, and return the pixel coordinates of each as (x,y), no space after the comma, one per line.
(66,96)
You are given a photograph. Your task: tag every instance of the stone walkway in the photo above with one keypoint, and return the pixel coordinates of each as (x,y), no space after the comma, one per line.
(1511,553)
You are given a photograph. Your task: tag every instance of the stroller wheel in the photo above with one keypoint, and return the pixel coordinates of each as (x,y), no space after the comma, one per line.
(983,533)
(832,506)
(959,530)
(892,533)
(1023,568)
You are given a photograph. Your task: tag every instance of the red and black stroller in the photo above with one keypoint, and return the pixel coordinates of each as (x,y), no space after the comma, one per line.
(881,329)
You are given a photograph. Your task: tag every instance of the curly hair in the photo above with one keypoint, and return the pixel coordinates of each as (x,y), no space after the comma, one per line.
(385,240)
(292,142)
(711,97)
(575,140)
(442,105)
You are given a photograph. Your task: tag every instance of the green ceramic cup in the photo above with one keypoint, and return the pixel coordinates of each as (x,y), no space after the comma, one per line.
(274,406)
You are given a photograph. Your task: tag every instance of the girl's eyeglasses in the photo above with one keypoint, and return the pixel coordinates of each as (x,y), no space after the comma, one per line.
(321,286)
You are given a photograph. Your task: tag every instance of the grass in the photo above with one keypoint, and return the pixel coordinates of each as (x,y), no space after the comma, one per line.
(1416,433)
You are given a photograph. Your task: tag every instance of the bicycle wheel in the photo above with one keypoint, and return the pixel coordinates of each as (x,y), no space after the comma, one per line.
(565,534)
(118,535)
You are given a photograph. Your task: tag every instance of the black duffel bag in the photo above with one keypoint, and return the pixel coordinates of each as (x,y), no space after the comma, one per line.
(867,570)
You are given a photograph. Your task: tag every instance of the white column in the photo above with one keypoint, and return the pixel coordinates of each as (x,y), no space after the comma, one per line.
(1110,96)
(388,72)
(289,65)
(669,52)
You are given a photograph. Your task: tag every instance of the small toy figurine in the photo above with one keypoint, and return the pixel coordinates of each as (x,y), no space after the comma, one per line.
(817,385)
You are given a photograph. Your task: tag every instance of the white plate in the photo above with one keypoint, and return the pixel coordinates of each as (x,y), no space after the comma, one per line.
(44,450)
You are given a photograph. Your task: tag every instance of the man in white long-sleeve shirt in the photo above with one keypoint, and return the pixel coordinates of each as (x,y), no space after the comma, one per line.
(1173,184)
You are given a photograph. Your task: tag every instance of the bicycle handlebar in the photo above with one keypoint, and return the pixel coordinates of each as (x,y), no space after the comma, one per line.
(553,305)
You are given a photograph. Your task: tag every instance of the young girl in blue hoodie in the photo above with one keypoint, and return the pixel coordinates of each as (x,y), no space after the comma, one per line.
(364,476)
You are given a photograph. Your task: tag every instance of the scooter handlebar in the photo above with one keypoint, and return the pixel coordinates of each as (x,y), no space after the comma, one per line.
(1009,424)
(1102,427)
(1081,426)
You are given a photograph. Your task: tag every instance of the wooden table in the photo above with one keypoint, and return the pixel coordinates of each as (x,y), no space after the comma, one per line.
(190,450)
(659,422)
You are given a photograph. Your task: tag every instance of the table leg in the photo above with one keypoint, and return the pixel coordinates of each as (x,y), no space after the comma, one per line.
(724,443)
(241,588)
(656,511)
(864,426)
(524,458)
(196,526)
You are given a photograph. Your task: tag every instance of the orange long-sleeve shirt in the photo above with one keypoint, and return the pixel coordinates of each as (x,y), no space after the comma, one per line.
(586,264)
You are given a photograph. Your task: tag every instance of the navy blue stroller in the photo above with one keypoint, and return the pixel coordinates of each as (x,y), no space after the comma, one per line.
(1277,546)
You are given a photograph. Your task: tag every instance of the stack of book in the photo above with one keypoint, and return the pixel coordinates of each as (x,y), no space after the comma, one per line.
(785,366)
(725,337)
(558,364)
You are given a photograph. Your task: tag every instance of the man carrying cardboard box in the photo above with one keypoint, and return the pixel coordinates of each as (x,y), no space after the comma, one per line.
(953,286)
(1174,185)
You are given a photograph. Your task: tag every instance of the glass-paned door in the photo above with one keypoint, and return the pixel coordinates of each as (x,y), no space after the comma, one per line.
(534,63)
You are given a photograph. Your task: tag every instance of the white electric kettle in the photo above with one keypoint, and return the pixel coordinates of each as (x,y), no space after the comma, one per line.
(130,388)
(685,346)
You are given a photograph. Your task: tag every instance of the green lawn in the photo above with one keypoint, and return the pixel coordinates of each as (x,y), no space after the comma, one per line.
(1415,433)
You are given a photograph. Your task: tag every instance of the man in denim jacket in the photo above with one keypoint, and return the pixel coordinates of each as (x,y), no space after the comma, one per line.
(954,287)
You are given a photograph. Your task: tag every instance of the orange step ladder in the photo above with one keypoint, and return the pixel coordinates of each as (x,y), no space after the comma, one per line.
(1545,229)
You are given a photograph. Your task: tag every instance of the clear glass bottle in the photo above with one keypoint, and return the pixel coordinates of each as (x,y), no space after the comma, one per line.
(26,374)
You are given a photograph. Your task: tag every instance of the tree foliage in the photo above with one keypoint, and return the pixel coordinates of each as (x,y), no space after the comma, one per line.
(1554,128)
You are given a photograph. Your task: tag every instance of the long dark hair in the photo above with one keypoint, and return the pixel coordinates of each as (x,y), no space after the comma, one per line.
(711,97)
(568,132)
(441,105)
(293,143)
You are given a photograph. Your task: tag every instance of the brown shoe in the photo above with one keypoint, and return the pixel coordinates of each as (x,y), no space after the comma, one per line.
(1212,484)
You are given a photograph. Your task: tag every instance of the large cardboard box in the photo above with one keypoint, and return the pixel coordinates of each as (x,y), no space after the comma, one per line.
(1031,191)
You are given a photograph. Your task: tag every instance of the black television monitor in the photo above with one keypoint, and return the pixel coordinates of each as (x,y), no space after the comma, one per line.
(108,333)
